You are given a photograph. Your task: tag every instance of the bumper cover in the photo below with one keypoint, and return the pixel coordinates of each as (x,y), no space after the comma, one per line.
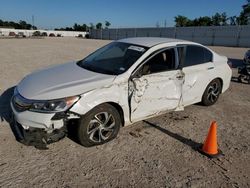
(38,129)
(38,137)
(30,119)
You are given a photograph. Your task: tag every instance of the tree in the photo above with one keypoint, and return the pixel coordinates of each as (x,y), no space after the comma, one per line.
(91,26)
(181,21)
(76,27)
(20,25)
(99,25)
(216,19)
(244,14)
(107,24)
(223,18)
(201,21)
(84,27)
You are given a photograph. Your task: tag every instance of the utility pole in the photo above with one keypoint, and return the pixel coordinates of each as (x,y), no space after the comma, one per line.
(165,23)
(33,22)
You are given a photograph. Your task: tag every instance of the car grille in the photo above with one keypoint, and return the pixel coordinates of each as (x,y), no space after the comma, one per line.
(20,103)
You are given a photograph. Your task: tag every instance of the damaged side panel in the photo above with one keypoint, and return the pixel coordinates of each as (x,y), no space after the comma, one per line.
(115,93)
(152,94)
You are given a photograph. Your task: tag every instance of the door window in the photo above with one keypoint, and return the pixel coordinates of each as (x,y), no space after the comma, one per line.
(163,61)
(196,55)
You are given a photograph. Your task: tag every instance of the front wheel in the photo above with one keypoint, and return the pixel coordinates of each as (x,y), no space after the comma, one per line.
(99,126)
(212,93)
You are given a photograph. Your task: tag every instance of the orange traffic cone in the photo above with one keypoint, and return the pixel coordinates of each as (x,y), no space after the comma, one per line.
(210,147)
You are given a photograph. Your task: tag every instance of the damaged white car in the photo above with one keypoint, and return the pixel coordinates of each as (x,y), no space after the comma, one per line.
(121,83)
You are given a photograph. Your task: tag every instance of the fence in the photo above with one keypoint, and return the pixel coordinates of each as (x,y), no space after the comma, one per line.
(237,36)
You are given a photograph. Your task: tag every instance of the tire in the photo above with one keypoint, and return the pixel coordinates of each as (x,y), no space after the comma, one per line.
(240,78)
(212,93)
(99,125)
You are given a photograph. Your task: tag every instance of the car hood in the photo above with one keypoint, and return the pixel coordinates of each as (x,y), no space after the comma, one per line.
(61,81)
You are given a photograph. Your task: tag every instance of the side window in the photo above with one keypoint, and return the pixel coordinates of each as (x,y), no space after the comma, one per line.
(163,61)
(208,56)
(196,55)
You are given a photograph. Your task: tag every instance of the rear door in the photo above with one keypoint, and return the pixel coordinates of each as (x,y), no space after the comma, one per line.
(197,67)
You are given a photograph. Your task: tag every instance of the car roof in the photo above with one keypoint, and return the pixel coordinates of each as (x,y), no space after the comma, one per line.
(151,41)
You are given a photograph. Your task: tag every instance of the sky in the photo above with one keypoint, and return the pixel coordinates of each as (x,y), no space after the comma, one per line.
(50,14)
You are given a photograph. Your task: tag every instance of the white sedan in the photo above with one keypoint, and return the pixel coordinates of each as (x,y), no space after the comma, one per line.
(121,83)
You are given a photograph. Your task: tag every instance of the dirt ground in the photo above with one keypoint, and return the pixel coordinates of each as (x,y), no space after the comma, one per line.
(158,152)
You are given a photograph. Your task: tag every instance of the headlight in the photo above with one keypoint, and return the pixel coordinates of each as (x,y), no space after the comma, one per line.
(57,105)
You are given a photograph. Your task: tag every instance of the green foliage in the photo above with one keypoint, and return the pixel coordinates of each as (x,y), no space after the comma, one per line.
(181,21)
(216,20)
(77,27)
(91,26)
(107,24)
(20,25)
(242,19)
(83,27)
(98,25)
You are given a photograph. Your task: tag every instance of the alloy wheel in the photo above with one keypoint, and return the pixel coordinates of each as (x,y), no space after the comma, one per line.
(101,127)
(213,92)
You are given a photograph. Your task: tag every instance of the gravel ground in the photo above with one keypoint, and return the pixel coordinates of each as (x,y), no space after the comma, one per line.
(158,152)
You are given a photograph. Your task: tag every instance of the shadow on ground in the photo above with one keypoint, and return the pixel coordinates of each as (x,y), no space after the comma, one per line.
(6,112)
(5,109)
(194,145)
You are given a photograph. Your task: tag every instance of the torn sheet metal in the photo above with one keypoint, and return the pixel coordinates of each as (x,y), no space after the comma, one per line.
(155,93)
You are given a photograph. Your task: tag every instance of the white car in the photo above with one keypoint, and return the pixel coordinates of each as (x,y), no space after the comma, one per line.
(121,83)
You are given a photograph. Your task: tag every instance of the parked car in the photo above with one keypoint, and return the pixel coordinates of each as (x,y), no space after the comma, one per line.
(247,57)
(244,71)
(12,34)
(21,34)
(44,34)
(121,83)
(52,35)
(36,34)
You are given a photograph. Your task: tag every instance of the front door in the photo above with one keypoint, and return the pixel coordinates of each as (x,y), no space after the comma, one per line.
(156,86)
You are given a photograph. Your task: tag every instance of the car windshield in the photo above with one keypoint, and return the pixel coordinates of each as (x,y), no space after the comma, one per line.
(114,58)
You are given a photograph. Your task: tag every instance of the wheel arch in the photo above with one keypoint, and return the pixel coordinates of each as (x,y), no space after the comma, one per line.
(221,82)
(119,109)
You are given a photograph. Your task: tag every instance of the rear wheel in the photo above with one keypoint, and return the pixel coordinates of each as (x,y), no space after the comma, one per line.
(212,93)
(99,126)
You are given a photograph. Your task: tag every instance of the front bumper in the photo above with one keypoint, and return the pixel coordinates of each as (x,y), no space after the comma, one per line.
(37,137)
(38,129)
(28,119)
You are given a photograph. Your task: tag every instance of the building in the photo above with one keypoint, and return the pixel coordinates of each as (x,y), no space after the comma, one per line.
(29,33)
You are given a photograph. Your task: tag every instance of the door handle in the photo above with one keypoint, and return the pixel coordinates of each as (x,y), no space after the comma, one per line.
(179,77)
(209,68)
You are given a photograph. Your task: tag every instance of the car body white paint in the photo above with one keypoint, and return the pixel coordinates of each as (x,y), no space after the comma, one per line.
(139,98)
